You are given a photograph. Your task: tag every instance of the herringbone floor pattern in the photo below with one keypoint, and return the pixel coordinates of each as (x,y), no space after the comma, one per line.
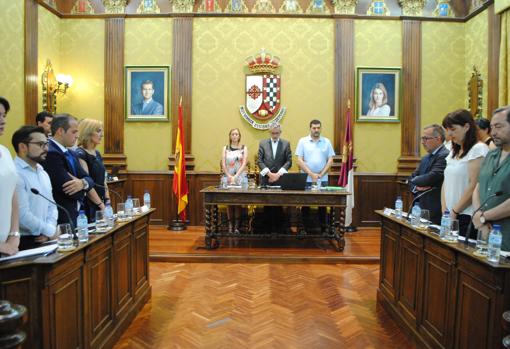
(202,305)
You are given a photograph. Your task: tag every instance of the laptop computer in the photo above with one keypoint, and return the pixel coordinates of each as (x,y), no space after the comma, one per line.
(292,181)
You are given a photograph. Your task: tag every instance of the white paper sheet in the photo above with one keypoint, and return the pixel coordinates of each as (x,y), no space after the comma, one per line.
(31,252)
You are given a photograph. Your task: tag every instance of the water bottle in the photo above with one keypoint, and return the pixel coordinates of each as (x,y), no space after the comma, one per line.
(495,239)
(399,204)
(108,214)
(244,182)
(129,207)
(319,182)
(416,215)
(444,232)
(82,226)
(147,199)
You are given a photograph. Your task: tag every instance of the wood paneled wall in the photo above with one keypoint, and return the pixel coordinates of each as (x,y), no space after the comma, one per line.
(493,73)
(182,77)
(411,97)
(31,52)
(114,93)
(344,78)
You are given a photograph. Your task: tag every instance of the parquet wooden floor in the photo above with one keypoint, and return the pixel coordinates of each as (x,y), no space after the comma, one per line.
(205,305)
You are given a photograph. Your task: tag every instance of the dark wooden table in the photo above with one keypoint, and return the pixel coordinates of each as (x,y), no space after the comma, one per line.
(441,293)
(334,200)
(87,297)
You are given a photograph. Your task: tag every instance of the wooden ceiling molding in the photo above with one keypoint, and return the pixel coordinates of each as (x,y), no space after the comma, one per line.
(493,61)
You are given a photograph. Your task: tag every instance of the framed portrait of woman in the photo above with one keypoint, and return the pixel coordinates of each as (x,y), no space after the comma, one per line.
(378,94)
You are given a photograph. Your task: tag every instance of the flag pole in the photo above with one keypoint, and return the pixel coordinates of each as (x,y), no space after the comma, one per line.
(180,187)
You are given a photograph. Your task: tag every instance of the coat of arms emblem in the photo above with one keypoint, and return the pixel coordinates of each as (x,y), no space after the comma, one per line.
(263,91)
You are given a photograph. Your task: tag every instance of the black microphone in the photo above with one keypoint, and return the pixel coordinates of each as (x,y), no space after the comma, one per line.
(416,198)
(36,192)
(498,193)
(110,190)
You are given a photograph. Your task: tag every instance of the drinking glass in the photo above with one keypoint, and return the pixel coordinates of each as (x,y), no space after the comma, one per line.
(454,230)
(136,206)
(482,240)
(65,237)
(121,212)
(424,219)
(101,222)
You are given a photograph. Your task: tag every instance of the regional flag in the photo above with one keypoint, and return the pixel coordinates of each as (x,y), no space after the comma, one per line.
(180,186)
(346,178)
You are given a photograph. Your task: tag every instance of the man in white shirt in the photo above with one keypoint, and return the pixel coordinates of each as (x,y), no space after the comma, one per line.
(37,216)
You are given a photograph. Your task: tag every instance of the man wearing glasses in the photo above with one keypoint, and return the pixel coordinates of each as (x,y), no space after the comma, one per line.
(429,174)
(37,217)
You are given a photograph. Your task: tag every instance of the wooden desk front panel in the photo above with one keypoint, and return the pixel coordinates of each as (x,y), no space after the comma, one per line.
(443,296)
(86,298)
(99,295)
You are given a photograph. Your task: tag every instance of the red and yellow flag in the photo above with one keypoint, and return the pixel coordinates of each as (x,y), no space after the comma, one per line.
(180,185)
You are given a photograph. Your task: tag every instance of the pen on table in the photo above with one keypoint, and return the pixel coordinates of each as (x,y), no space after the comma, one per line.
(49,252)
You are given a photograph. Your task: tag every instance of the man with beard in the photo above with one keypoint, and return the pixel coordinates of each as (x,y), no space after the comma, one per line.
(315,156)
(494,177)
(37,217)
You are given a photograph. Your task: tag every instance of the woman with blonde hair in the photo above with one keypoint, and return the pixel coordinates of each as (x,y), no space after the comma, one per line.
(233,162)
(90,135)
(378,103)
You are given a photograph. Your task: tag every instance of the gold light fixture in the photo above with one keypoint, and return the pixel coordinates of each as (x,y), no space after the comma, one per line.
(51,86)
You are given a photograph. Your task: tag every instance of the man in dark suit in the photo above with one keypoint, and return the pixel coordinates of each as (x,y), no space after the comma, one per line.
(274,160)
(430,172)
(69,181)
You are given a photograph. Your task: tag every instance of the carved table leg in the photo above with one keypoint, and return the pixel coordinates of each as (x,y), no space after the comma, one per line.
(338,228)
(208,226)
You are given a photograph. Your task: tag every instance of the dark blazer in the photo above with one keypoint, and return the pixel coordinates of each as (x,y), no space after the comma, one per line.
(283,156)
(430,173)
(58,168)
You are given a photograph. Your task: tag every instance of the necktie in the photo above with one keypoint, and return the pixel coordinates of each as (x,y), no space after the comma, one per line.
(70,159)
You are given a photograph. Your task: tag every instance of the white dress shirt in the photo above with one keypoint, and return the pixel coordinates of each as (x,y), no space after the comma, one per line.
(36,215)
(7,186)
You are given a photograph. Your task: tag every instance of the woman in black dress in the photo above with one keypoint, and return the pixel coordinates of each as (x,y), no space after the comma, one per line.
(484,132)
(90,136)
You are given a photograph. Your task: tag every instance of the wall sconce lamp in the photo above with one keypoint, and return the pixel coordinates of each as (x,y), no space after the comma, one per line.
(51,86)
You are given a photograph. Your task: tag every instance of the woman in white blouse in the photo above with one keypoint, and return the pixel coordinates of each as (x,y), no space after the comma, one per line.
(9,221)
(462,167)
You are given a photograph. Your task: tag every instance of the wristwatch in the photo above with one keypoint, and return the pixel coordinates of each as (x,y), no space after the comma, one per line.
(14,234)
(482,219)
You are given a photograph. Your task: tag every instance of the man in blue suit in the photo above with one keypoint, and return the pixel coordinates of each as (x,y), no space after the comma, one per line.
(430,172)
(148,106)
(69,181)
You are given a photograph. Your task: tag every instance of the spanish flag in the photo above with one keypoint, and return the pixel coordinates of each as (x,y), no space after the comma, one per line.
(180,184)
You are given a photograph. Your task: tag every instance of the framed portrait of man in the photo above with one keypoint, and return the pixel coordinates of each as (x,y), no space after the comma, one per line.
(378,94)
(147,93)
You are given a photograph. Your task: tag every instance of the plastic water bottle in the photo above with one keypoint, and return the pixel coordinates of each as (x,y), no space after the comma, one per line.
(147,199)
(399,205)
(319,184)
(495,239)
(415,215)
(129,207)
(444,232)
(244,182)
(82,226)
(108,214)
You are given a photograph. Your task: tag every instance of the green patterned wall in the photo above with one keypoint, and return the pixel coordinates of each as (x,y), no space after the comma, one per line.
(220,46)
(477,53)
(377,145)
(147,145)
(443,71)
(12,67)
(49,34)
(82,56)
